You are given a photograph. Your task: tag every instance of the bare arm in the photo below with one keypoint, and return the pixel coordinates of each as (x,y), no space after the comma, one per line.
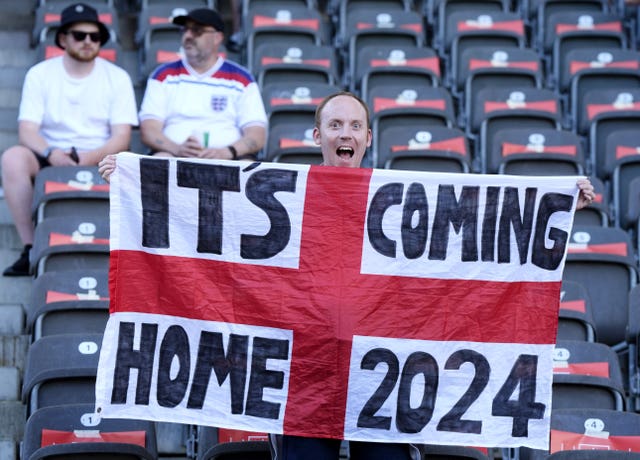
(151,132)
(118,142)
(252,140)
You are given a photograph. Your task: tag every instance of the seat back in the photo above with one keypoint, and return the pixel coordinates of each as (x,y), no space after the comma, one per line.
(71,301)
(602,259)
(575,319)
(586,375)
(434,148)
(61,369)
(529,151)
(75,241)
(77,431)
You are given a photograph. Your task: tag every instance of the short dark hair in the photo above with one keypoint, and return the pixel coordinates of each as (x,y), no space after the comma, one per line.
(334,95)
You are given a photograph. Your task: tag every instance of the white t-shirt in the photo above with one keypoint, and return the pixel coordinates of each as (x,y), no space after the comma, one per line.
(77,112)
(221,101)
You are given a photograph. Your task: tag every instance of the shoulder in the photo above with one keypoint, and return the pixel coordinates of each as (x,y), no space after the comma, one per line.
(230,70)
(47,65)
(108,66)
(167,70)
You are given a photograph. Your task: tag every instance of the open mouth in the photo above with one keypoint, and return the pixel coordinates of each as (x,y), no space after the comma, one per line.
(344,152)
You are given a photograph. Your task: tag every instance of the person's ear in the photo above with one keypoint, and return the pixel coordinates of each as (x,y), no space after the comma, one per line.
(316,135)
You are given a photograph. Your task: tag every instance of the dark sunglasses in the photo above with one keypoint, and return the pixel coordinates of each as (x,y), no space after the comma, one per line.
(80,36)
(196,31)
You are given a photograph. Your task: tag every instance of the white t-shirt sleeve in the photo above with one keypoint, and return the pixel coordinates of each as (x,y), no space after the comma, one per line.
(124,109)
(32,103)
(154,102)
(251,108)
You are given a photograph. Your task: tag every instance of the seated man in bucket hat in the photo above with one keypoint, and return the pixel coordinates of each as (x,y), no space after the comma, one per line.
(75,109)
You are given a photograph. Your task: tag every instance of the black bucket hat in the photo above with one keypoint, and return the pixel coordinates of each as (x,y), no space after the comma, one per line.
(204,16)
(80,12)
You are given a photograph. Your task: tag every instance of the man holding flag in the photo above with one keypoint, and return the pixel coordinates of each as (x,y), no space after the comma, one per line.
(342,130)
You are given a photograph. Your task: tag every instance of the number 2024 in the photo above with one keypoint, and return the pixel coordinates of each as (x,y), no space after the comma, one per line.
(414,419)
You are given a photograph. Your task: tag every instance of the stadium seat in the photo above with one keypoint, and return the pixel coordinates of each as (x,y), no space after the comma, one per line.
(230,444)
(602,260)
(68,301)
(268,22)
(156,34)
(65,190)
(292,103)
(575,320)
(455,17)
(393,64)
(61,369)
(593,60)
(536,152)
(242,450)
(432,451)
(633,342)
(75,241)
(292,143)
(481,65)
(605,35)
(593,28)
(433,148)
(623,162)
(300,63)
(586,375)
(74,431)
(632,213)
(417,108)
(603,112)
(342,10)
(494,109)
(589,430)
(600,80)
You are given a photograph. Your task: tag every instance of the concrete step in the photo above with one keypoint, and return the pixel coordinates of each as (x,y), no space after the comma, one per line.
(12,77)
(13,290)
(13,351)
(8,450)
(9,384)
(13,415)
(12,319)
(18,56)
(10,97)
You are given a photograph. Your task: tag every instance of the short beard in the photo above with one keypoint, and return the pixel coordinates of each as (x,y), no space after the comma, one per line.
(82,56)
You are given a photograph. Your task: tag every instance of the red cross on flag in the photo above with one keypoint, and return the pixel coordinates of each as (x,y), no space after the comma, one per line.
(330,302)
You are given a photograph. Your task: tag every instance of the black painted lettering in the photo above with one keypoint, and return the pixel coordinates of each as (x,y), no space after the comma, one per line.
(260,189)
(414,237)
(459,213)
(385,197)
(211,181)
(261,378)
(543,257)
(127,358)
(173,349)
(154,191)
(409,419)
(368,417)
(232,365)
(522,224)
(489,223)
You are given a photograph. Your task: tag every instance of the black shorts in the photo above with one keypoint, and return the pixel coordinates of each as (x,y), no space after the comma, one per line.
(42,161)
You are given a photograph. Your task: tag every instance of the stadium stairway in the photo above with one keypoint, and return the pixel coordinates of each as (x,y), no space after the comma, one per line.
(15,58)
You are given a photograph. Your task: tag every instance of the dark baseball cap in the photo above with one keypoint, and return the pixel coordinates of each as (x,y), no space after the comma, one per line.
(204,16)
(80,12)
